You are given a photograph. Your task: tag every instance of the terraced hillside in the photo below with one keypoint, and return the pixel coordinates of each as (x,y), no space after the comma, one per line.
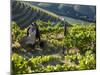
(23,13)
(81,12)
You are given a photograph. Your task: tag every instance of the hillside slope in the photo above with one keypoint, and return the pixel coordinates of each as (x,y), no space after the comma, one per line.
(83,12)
(23,13)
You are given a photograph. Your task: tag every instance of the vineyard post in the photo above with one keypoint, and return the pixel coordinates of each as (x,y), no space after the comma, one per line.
(65,31)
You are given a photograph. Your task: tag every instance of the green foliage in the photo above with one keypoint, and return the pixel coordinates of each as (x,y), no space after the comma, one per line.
(48,26)
(79,37)
(88,61)
(17,33)
(34,64)
(19,65)
(84,62)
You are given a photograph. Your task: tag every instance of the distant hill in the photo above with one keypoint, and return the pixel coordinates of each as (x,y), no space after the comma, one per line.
(83,12)
(24,13)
